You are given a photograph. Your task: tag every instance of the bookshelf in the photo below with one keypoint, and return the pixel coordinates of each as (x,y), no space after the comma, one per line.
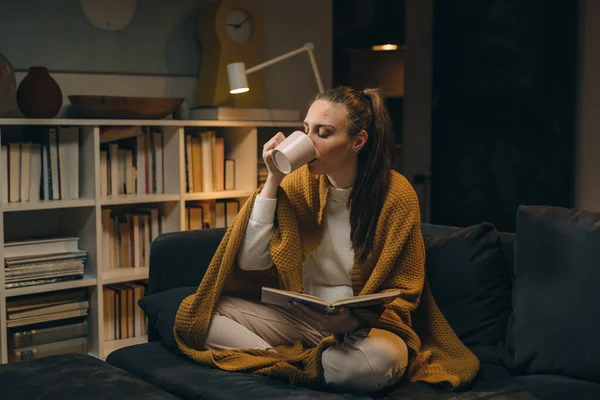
(82,217)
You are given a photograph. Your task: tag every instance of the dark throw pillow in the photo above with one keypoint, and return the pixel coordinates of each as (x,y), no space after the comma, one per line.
(470,278)
(555,324)
(161,310)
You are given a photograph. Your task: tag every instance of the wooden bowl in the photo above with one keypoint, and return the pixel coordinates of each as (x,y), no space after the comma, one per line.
(117,107)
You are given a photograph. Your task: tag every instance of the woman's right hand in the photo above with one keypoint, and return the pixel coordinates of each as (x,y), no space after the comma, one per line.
(275,176)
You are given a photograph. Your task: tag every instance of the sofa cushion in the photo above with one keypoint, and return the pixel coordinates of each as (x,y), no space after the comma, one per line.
(532,387)
(73,377)
(161,310)
(471,281)
(154,363)
(554,326)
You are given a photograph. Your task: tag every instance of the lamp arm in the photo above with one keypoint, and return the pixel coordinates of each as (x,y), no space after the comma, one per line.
(308,47)
(313,62)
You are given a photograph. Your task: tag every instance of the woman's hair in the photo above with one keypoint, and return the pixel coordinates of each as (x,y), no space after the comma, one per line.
(366,110)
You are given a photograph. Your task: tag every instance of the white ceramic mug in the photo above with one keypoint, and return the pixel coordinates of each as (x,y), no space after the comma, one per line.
(295,151)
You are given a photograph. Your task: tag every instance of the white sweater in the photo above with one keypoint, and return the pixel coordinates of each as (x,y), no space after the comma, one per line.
(327,271)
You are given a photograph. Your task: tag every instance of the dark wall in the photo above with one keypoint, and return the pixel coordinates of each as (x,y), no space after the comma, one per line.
(504,108)
(357,25)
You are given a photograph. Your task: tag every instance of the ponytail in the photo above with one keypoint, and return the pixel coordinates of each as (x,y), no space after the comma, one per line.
(366,111)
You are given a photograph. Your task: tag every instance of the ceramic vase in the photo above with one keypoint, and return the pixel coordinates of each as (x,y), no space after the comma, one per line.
(39,96)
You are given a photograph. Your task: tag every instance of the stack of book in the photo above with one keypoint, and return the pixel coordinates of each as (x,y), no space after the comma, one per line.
(206,169)
(123,317)
(131,161)
(46,169)
(36,262)
(127,234)
(208,214)
(47,324)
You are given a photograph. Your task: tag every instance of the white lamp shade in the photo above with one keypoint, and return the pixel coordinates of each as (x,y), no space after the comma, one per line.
(238,81)
(112,15)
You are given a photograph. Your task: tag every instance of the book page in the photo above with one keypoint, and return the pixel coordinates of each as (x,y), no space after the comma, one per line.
(282,298)
(368,300)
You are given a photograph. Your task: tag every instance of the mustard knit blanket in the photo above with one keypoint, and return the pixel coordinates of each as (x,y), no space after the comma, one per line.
(397,261)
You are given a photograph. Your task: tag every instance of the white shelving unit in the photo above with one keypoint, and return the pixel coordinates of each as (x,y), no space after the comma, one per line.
(82,217)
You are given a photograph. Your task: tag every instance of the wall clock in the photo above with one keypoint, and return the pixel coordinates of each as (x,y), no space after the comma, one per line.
(229,31)
(240,25)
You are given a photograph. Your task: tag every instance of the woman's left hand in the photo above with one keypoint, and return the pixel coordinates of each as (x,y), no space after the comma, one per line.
(341,321)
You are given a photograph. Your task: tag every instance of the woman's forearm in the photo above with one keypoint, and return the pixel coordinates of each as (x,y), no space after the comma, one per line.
(254,250)
(269,190)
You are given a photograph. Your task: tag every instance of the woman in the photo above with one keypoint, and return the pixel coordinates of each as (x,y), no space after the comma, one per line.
(343,225)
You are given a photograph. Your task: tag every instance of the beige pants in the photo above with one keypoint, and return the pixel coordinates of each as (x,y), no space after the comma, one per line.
(368,360)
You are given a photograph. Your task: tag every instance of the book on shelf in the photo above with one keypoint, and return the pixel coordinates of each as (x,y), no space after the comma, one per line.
(194,218)
(244,114)
(44,168)
(232,209)
(29,302)
(36,262)
(57,308)
(132,161)
(24,275)
(282,298)
(229,174)
(49,332)
(25,171)
(48,307)
(46,318)
(38,247)
(262,171)
(43,281)
(208,142)
(114,133)
(127,235)
(123,317)
(206,166)
(4,176)
(77,345)
(207,214)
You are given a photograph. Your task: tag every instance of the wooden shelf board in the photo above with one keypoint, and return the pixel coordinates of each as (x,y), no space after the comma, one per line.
(46,205)
(112,345)
(138,198)
(119,275)
(146,122)
(49,287)
(226,194)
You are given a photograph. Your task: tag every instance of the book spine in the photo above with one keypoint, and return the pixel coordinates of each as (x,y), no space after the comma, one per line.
(35,337)
(79,345)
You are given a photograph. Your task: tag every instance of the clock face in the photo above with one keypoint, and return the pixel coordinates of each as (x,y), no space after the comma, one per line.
(239,25)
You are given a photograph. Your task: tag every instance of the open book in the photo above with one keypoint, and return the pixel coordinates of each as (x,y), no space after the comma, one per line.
(283,297)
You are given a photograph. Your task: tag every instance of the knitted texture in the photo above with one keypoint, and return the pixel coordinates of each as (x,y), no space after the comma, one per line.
(397,261)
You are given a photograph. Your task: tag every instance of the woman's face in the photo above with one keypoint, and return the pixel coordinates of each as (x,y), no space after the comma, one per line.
(327,126)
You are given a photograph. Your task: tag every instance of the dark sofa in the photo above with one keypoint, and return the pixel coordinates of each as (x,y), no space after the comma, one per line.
(523,303)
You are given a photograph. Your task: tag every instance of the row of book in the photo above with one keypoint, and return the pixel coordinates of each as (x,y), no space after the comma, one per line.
(131,161)
(206,169)
(46,169)
(207,214)
(42,261)
(127,234)
(47,324)
(123,317)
